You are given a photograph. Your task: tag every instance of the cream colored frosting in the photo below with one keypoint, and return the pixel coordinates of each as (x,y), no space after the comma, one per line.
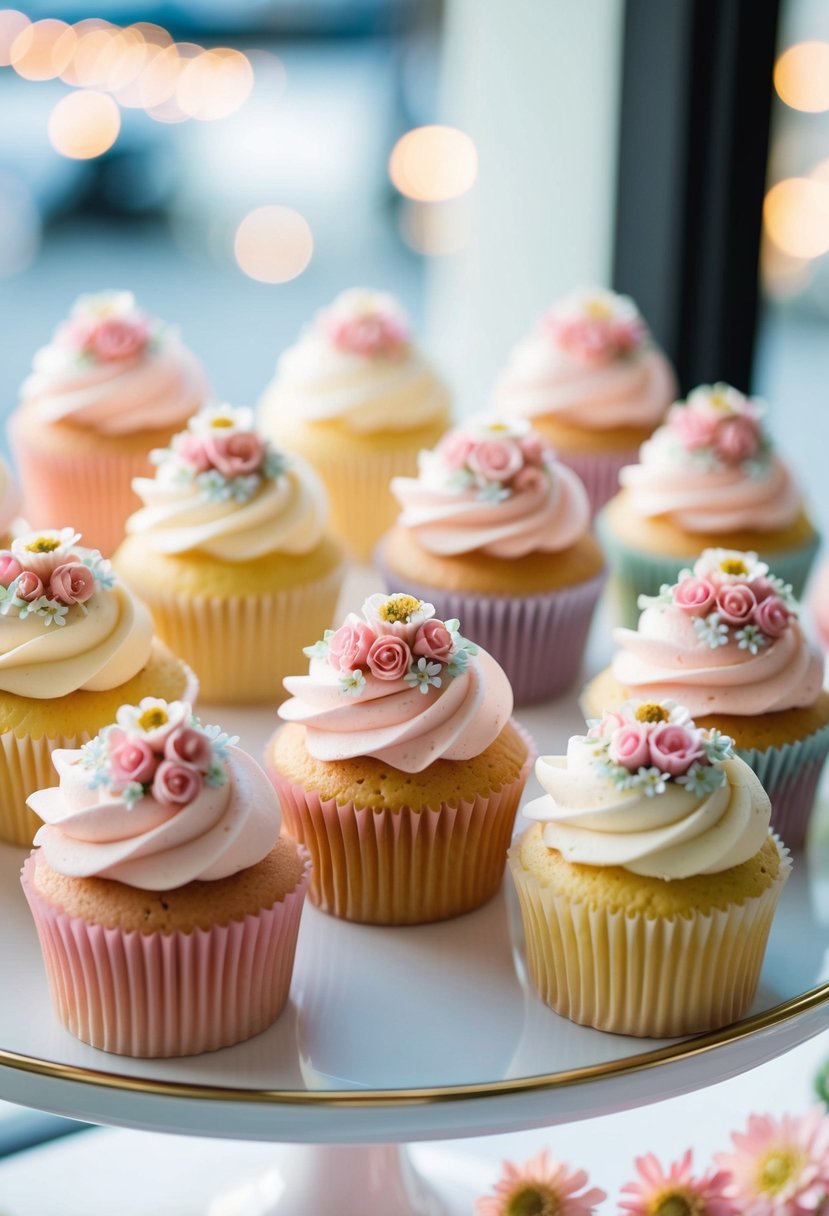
(92,832)
(9,497)
(673,835)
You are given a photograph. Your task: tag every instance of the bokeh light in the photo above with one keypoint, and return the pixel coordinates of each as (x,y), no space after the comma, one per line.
(801,76)
(273,244)
(215,84)
(42,50)
(796,216)
(85,124)
(434,163)
(12,22)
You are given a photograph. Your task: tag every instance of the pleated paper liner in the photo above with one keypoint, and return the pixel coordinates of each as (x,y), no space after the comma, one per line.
(790,776)
(539,640)
(599,472)
(406,866)
(167,994)
(243,646)
(627,973)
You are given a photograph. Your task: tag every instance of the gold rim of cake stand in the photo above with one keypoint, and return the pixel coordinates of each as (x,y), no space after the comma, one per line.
(369,1098)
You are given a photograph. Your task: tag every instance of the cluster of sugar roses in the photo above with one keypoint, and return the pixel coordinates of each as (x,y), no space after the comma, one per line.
(731,597)
(107,328)
(397,638)
(220,454)
(646,745)
(596,326)
(719,428)
(43,575)
(157,748)
(368,323)
(493,459)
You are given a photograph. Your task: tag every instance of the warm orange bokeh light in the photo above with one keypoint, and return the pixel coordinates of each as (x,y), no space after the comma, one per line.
(12,23)
(801,76)
(273,244)
(432,164)
(42,50)
(214,84)
(85,124)
(796,217)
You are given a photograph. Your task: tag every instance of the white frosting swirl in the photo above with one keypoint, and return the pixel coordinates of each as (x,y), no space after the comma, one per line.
(88,832)
(672,835)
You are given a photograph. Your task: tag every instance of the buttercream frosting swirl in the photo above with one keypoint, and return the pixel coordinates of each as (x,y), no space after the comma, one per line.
(588,363)
(725,639)
(113,369)
(220,489)
(493,487)
(355,364)
(711,468)
(401,686)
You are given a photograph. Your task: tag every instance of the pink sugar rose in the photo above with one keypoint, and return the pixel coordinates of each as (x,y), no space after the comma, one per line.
(695,595)
(696,427)
(534,449)
(236,454)
(190,746)
(370,335)
(736,603)
(115,338)
(530,480)
(176,783)
(190,448)
(29,586)
(762,588)
(433,641)
(627,335)
(454,449)
(495,459)
(610,722)
(131,758)
(10,567)
(737,439)
(673,748)
(389,657)
(72,583)
(772,617)
(349,645)
(629,746)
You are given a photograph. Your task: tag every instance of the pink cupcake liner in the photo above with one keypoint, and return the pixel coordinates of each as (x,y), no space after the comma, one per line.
(599,472)
(167,994)
(405,866)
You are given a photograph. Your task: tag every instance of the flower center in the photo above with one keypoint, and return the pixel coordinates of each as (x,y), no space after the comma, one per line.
(497,428)
(533,1201)
(399,610)
(597,310)
(221,421)
(651,712)
(43,544)
(777,1169)
(675,1205)
(151,719)
(733,565)
(719,401)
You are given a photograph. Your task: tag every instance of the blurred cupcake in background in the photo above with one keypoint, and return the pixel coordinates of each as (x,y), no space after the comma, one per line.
(111,385)
(590,378)
(358,400)
(10,500)
(819,603)
(495,531)
(231,555)
(709,477)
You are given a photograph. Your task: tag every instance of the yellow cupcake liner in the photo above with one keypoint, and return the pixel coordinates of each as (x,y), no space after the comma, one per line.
(646,976)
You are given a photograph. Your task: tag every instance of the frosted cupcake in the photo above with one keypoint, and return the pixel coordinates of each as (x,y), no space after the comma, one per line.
(230,554)
(399,768)
(356,398)
(649,879)
(709,477)
(166,902)
(725,640)
(591,380)
(820,604)
(9,504)
(495,531)
(111,385)
(74,644)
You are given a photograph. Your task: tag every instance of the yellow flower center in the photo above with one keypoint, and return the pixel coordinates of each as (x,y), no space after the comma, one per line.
(497,428)
(399,610)
(221,421)
(719,401)
(651,712)
(733,565)
(151,719)
(676,1203)
(533,1200)
(777,1169)
(43,544)
(597,310)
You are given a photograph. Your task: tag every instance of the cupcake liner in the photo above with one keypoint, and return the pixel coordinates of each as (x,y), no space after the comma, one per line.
(167,994)
(243,646)
(406,866)
(790,775)
(599,471)
(539,640)
(627,973)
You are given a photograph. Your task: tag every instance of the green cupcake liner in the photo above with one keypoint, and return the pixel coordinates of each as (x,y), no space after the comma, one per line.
(790,775)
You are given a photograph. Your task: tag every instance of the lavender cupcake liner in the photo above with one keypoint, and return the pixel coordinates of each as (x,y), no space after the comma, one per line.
(539,640)
(599,472)
(790,775)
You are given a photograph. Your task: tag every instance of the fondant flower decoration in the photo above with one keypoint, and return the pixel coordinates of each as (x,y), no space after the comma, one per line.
(47,575)
(780,1167)
(108,328)
(596,326)
(718,427)
(366,323)
(541,1187)
(492,458)
(676,1191)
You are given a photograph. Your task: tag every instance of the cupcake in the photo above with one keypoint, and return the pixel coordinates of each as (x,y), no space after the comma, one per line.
(111,385)
(399,767)
(74,644)
(648,880)
(725,640)
(494,531)
(820,604)
(230,553)
(709,477)
(166,902)
(591,380)
(9,504)
(356,398)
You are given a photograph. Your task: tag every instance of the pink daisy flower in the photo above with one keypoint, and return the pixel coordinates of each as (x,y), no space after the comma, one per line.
(780,1167)
(540,1187)
(677,1192)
